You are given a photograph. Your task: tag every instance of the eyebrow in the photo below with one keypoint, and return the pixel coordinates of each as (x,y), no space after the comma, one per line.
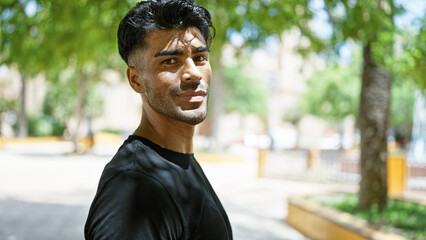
(202,49)
(168,52)
(174,52)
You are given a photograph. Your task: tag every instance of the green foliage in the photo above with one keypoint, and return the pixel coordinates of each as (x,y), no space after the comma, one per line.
(86,30)
(405,215)
(333,93)
(54,36)
(60,98)
(57,108)
(44,126)
(243,94)
(366,21)
(113,131)
(7,103)
(410,63)
(94,102)
(293,115)
(257,20)
(401,111)
(401,51)
(402,103)
(20,38)
(59,104)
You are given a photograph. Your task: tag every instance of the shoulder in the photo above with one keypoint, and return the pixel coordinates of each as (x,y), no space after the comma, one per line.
(129,157)
(133,203)
(135,155)
(133,184)
(135,188)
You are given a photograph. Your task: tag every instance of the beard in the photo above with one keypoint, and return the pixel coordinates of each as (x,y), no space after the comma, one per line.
(193,113)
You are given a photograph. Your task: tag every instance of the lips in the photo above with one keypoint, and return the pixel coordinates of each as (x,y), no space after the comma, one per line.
(192,96)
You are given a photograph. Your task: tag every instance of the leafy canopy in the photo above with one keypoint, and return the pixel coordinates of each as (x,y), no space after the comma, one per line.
(333,93)
(242,93)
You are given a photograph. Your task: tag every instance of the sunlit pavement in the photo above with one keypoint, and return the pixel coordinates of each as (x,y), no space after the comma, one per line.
(45,194)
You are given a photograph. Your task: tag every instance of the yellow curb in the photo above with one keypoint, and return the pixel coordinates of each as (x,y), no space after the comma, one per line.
(104,137)
(100,137)
(33,140)
(324,223)
(216,157)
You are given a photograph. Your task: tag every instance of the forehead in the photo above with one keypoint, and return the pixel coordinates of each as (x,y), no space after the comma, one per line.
(158,40)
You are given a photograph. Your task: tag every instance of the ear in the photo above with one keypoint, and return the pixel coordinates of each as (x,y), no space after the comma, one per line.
(135,80)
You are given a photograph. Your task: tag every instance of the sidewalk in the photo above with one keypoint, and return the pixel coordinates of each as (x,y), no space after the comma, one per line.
(257,208)
(45,194)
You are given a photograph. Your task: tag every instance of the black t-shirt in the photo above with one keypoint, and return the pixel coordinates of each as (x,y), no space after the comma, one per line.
(148,192)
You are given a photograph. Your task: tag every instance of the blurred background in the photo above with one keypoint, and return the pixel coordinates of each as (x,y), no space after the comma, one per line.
(296,84)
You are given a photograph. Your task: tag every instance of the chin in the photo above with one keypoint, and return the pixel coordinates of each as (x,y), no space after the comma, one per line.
(192,117)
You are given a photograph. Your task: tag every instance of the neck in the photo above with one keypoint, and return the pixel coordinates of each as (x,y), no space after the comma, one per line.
(165,132)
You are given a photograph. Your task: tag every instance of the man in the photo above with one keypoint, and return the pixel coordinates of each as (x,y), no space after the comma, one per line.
(153,188)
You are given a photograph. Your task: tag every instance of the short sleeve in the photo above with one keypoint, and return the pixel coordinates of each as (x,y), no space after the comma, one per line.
(133,206)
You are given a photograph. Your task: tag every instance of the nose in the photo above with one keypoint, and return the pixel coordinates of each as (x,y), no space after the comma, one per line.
(191,71)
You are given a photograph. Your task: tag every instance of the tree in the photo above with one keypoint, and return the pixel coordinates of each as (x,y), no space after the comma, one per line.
(53,118)
(79,36)
(20,47)
(85,33)
(371,24)
(333,93)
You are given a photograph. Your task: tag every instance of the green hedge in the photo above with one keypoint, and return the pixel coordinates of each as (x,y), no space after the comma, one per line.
(403,217)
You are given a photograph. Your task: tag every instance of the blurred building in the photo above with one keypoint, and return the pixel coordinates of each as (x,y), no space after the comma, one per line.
(122,106)
(283,71)
(10,91)
(417,148)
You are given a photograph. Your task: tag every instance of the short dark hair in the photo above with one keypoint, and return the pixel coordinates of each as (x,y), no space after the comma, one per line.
(161,14)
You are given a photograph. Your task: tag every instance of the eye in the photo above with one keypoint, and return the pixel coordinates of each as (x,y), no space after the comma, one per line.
(200,58)
(169,61)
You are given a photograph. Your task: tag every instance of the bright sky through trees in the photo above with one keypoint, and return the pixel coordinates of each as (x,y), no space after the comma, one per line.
(414,9)
(31,8)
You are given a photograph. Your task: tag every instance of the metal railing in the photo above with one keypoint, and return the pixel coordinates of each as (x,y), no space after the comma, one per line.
(329,165)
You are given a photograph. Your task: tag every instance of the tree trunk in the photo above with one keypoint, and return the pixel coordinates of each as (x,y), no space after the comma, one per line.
(373,123)
(23,123)
(79,108)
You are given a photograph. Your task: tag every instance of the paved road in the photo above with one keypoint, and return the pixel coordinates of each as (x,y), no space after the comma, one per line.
(45,194)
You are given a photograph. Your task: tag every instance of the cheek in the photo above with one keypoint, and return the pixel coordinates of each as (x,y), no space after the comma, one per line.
(207,74)
(166,82)
(166,79)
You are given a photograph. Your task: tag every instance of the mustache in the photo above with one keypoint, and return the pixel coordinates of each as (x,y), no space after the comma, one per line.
(194,86)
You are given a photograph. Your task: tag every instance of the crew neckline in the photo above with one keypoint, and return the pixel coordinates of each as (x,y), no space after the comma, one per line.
(180,159)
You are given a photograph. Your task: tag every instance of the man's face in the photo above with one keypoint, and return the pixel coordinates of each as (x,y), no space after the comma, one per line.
(175,72)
